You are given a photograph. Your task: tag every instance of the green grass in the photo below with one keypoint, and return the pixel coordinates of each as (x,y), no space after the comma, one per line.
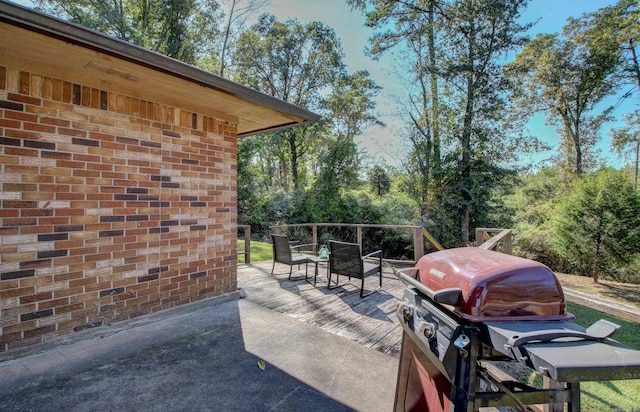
(613,395)
(259,251)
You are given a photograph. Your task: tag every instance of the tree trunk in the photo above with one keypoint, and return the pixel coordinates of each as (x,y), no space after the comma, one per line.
(435,101)
(294,161)
(465,139)
(636,64)
(596,262)
(227,34)
(635,173)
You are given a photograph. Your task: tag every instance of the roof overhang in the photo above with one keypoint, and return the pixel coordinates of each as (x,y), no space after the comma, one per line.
(34,42)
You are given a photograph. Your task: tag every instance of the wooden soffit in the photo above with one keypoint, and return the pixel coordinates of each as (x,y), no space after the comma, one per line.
(37,43)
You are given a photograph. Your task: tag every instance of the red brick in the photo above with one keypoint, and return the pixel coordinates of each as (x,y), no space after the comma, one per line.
(22,116)
(20,327)
(24,99)
(18,292)
(53,303)
(39,128)
(55,121)
(38,332)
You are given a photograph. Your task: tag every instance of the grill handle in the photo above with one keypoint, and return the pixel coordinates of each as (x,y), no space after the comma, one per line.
(447,296)
(600,330)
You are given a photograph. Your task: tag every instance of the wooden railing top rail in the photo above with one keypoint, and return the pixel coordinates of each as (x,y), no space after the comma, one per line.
(485,241)
(483,237)
(419,233)
(348,225)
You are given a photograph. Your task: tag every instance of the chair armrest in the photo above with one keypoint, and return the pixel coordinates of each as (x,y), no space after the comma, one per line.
(372,254)
(305,245)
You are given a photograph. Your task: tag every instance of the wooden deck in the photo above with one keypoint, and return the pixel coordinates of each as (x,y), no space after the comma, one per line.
(370,321)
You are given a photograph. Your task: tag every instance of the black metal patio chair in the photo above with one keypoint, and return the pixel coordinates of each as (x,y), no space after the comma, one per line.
(288,253)
(345,259)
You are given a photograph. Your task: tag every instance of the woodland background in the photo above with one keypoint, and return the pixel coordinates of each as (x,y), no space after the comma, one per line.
(473,79)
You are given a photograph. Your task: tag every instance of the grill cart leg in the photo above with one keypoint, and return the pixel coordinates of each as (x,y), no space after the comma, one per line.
(574,405)
(466,378)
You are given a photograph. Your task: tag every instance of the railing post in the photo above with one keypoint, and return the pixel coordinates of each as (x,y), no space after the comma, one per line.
(359,236)
(507,243)
(418,243)
(247,244)
(314,235)
(479,237)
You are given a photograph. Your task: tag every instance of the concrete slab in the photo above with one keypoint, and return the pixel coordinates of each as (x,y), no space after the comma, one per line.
(205,357)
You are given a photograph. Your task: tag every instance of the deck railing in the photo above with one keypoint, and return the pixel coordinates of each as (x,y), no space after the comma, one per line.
(418,232)
(486,238)
(246,229)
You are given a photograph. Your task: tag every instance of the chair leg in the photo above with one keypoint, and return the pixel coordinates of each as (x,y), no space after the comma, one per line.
(337,281)
(273,267)
(290,271)
(362,294)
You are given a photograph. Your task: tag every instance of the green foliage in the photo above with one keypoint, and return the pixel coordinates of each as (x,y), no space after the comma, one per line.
(533,202)
(302,64)
(479,193)
(289,60)
(379,181)
(566,76)
(458,96)
(182,29)
(597,225)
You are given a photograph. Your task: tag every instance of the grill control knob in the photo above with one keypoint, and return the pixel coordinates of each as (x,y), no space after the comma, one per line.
(427,329)
(407,311)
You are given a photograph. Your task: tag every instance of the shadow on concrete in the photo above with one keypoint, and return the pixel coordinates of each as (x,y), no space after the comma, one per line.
(203,360)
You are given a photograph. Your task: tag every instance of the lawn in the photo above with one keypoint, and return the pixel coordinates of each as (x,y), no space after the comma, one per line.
(614,395)
(596,396)
(259,251)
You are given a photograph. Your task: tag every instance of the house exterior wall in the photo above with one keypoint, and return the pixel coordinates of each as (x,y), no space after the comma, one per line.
(111,207)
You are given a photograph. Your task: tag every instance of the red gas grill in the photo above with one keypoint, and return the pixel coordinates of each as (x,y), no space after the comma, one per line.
(474,318)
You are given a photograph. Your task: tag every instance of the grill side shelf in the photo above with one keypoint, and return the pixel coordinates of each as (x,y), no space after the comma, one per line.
(600,330)
(571,358)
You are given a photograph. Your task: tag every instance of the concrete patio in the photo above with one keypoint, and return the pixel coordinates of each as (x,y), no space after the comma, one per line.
(205,356)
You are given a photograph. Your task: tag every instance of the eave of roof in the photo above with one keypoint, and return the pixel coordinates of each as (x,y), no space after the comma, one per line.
(280,115)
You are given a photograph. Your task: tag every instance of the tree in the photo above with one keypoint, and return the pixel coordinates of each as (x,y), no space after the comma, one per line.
(565,77)
(465,41)
(379,180)
(534,201)
(295,63)
(182,29)
(629,137)
(597,226)
(348,109)
(414,25)
(619,24)
(237,12)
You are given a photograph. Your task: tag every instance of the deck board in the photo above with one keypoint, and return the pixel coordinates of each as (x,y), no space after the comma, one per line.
(369,321)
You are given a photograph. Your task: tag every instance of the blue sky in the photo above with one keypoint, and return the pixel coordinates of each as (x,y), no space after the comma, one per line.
(383,144)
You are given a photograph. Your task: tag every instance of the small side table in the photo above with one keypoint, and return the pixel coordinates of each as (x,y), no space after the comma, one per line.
(316,260)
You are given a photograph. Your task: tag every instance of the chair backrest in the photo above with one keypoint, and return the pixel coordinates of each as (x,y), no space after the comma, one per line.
(345,259)
(281,249)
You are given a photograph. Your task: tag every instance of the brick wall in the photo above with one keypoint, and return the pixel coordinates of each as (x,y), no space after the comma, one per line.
(112,207)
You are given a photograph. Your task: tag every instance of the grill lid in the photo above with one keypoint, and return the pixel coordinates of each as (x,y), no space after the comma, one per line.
(495,286)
